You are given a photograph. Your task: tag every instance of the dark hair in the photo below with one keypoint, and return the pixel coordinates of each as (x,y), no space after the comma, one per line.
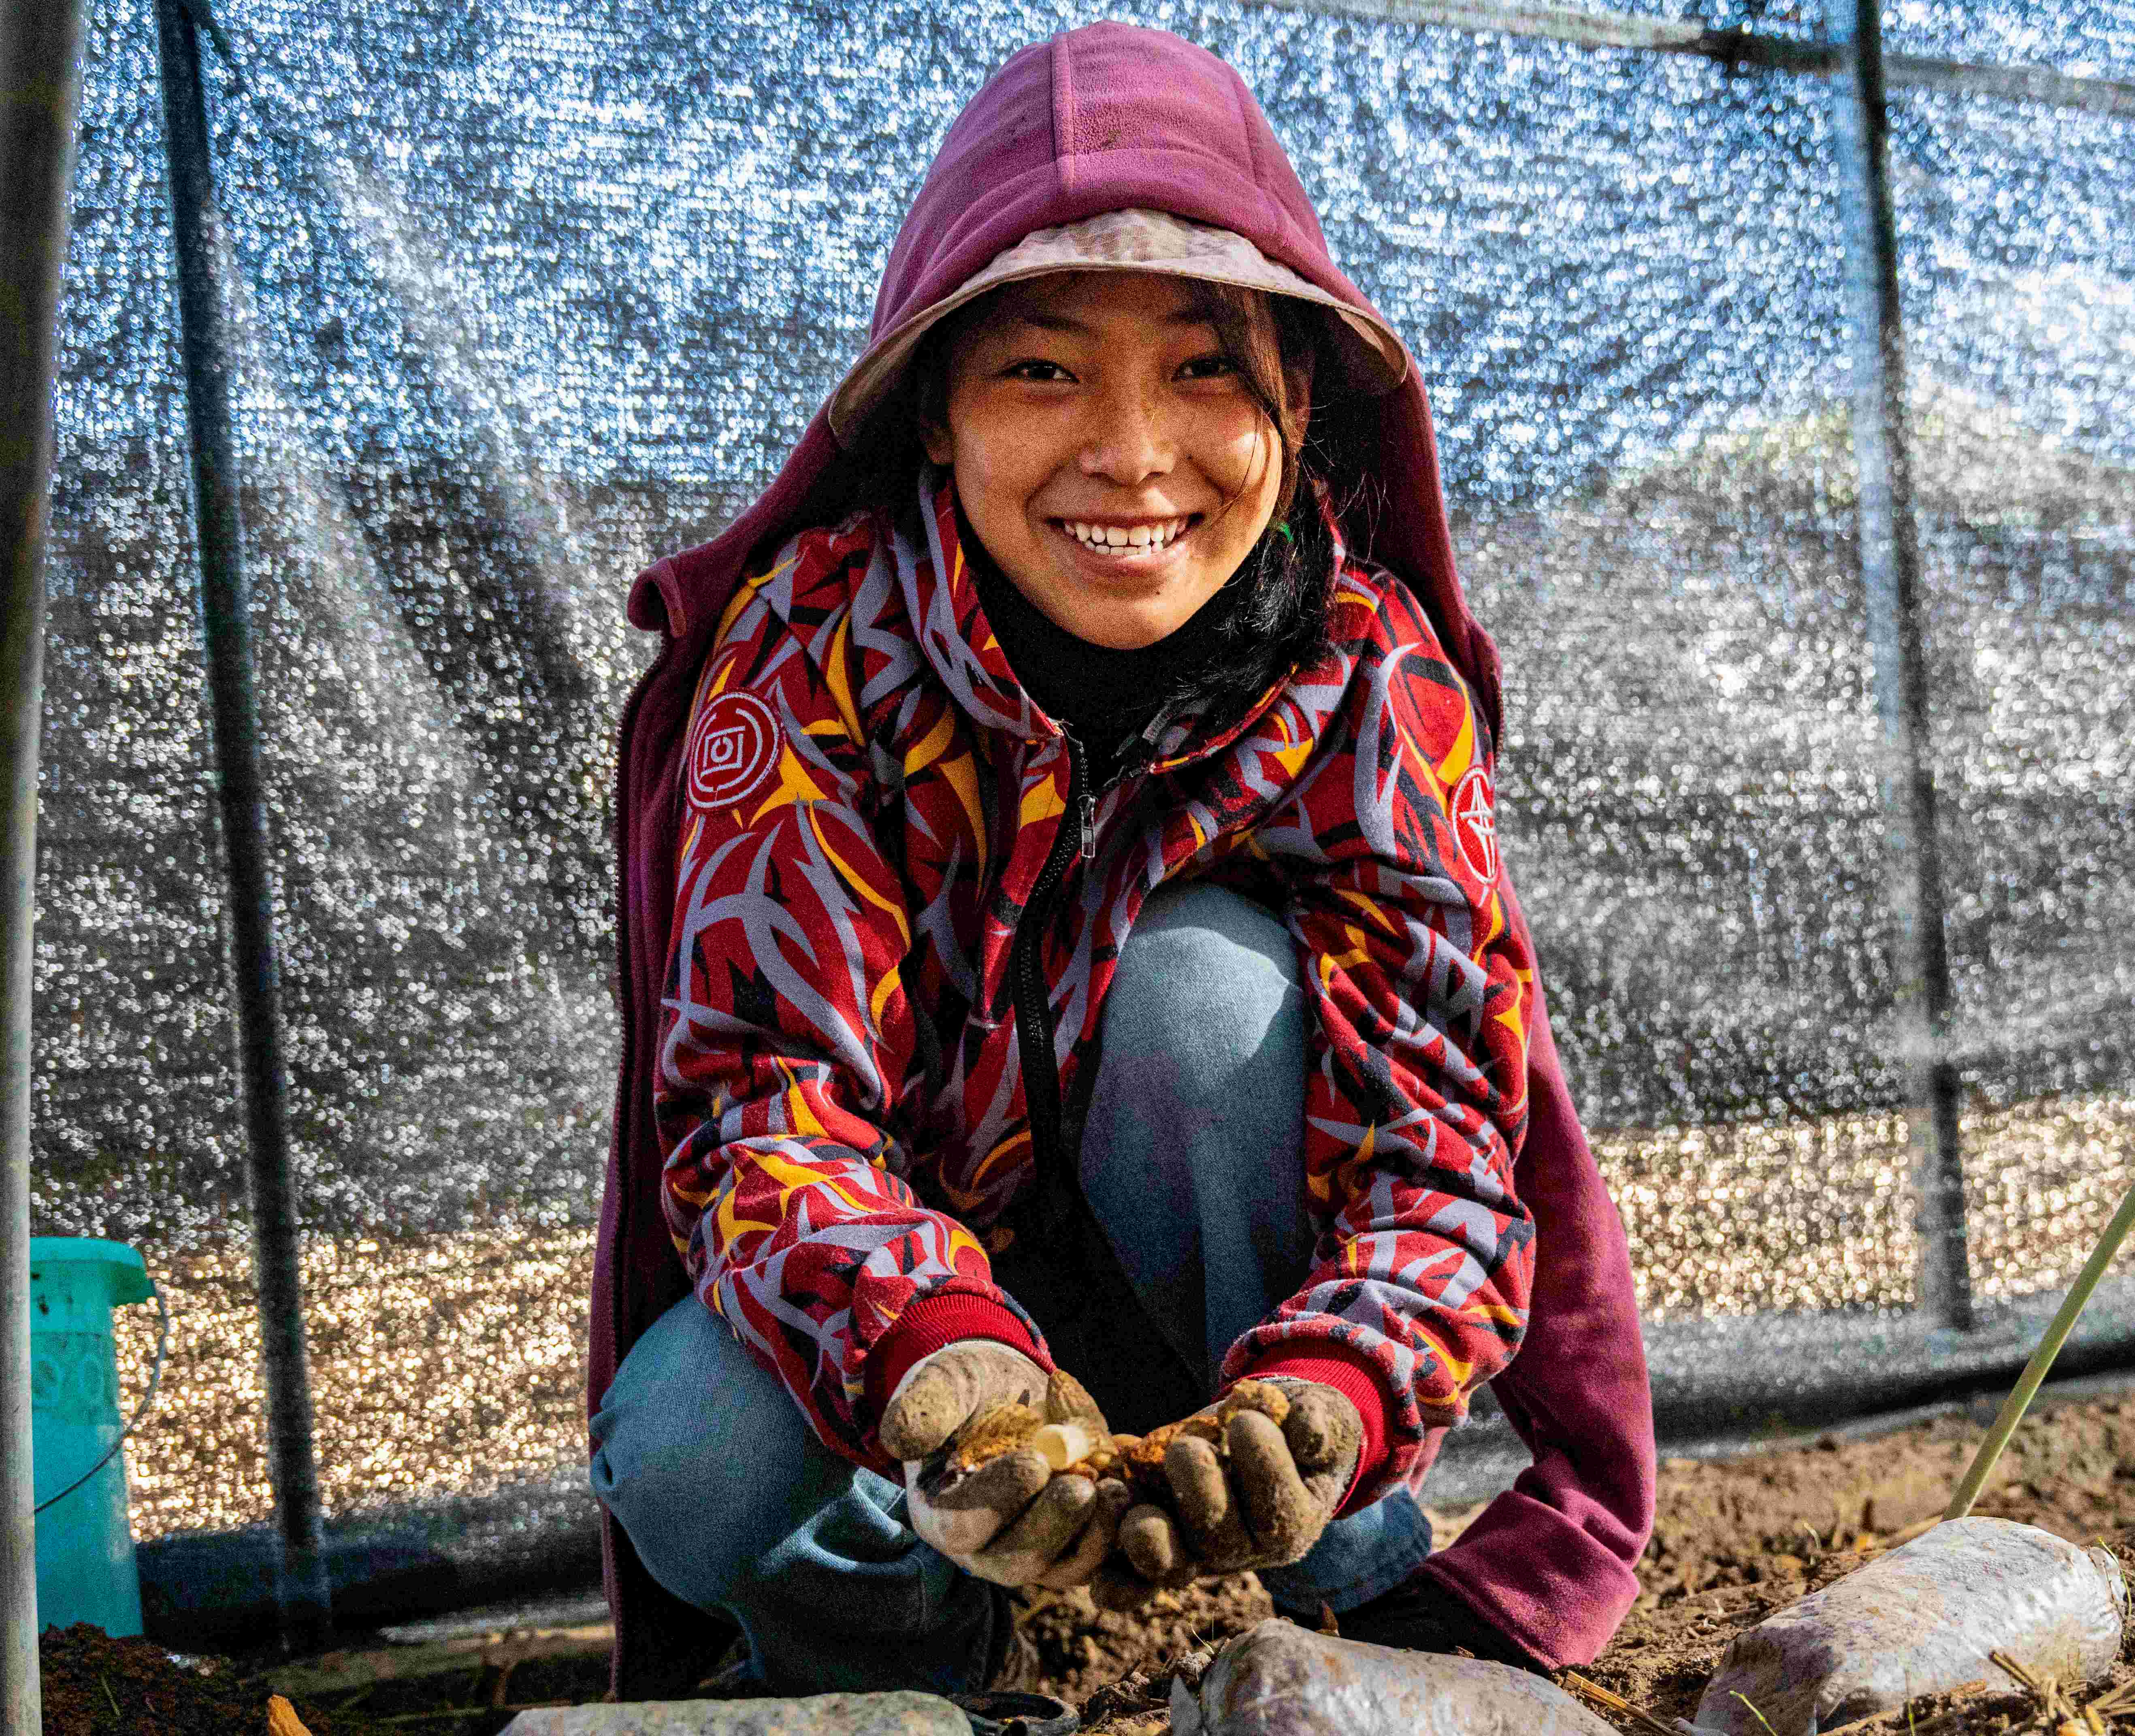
(1285,584)
(1283,590)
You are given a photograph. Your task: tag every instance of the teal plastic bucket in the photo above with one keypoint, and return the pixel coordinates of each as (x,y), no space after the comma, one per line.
(85,1570)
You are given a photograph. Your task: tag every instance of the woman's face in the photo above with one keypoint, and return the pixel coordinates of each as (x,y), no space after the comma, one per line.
(1096,433)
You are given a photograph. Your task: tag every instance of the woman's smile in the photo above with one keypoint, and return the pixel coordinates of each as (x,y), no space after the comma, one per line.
(1140,546)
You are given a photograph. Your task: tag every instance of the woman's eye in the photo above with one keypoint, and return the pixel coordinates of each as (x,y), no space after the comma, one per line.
(1036,369)
(1208,367)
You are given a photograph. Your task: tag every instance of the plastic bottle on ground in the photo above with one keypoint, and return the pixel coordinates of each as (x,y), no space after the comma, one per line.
(1922,1620)
(1280,1679)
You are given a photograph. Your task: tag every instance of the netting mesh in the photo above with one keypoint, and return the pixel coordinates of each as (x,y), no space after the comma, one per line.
(527,297)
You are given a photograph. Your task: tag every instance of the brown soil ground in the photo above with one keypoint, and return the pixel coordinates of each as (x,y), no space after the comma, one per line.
(1735,1541)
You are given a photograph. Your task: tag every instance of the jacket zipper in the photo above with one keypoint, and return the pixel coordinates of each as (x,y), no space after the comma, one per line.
(1033,1007)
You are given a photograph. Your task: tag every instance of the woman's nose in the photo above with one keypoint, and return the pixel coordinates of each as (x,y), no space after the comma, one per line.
(1128,438)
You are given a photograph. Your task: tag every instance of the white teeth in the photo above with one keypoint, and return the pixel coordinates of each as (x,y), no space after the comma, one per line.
(1115,536)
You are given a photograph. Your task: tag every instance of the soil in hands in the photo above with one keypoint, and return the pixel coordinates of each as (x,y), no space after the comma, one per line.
(1734,1542)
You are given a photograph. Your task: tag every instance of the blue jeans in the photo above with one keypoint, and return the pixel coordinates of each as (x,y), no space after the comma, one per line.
(1191,1161)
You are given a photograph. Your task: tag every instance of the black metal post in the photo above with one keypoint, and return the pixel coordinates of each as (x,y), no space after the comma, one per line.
(1891,566)
(1735,47)
(39,99)
(226,630)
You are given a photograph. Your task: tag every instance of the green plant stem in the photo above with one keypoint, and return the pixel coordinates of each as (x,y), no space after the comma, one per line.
(2042,1359)
(1754,1713)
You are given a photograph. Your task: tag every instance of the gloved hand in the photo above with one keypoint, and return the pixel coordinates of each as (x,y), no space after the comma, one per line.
(1008,1517)
(1262,1501)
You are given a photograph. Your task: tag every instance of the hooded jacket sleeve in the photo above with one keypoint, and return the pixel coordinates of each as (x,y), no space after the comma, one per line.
(1420,989)
(788,1048)
(1552,1563)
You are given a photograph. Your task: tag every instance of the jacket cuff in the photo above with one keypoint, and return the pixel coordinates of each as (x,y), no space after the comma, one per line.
(1354,1376)
(1532,1573)
(933,1323)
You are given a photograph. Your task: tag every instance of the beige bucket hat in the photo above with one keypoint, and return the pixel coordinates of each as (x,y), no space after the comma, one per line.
(1134,239)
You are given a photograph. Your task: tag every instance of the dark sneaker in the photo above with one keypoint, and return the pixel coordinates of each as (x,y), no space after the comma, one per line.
(1018,1668)
(1010,1706)
(1017,1714)
(1417,1616)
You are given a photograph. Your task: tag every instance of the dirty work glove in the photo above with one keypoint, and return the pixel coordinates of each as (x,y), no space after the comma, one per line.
(1238,1490)
(1006,1516)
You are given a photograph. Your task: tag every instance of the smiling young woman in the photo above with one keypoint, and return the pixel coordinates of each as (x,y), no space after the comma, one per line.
(1110,450)
(1067,932)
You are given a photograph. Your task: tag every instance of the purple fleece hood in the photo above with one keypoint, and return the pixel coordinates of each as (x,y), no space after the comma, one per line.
(1097,120)
(1104,118)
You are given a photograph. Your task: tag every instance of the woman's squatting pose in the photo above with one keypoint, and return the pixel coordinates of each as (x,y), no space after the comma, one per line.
(1064,927)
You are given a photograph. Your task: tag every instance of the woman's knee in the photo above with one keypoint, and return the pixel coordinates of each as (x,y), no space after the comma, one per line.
(1204,1035)
(702,1455)
(1211,953)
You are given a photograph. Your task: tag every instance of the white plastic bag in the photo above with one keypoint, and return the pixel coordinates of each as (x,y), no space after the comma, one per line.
(820,1715)
(1921,1620)
(1279,1679)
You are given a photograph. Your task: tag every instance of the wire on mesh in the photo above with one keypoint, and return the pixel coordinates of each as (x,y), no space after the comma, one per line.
(148,1399)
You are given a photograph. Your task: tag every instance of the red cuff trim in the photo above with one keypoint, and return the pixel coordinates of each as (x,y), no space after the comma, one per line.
(1357,1378)
(934,1322)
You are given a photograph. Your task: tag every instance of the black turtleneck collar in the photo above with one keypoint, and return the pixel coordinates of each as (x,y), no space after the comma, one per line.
(1104,697)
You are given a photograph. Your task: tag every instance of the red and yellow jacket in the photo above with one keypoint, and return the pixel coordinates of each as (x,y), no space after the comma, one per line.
(897,910)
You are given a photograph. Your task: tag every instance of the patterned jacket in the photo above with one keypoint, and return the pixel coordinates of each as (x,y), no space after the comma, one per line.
(898,907)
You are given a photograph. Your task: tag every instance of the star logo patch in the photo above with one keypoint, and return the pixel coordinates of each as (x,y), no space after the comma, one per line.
(1476,824)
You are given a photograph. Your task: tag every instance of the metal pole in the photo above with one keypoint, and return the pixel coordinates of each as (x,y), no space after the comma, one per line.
(226,629)
(1891,567)
(40,76)
(1588,28)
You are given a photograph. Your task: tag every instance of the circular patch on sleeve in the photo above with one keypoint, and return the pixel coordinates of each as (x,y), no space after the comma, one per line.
(733,743)
(1475,808)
